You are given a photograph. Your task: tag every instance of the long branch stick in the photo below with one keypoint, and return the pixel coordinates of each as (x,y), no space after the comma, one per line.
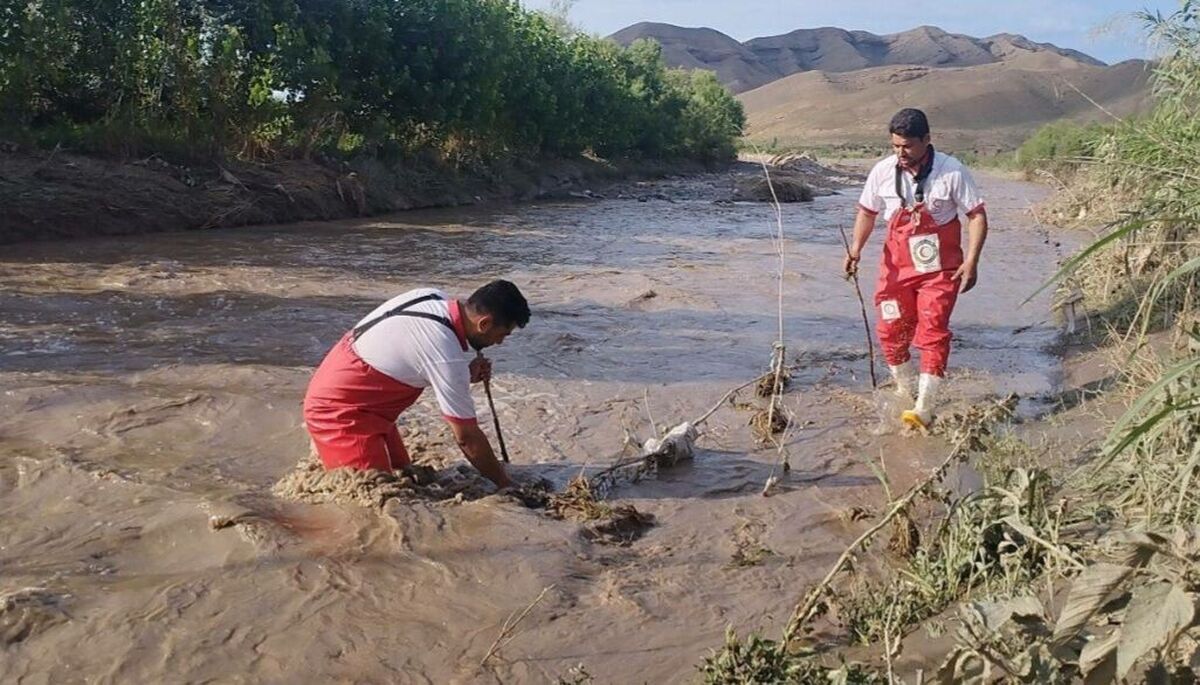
(704,417)
(510,625)
(862,304)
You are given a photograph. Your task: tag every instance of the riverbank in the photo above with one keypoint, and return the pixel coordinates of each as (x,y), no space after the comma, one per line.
(58,195)
(55,195)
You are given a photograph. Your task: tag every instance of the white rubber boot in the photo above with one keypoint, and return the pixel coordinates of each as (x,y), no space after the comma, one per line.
(921,416)
(905,378)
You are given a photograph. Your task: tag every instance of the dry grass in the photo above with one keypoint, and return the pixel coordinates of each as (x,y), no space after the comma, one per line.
(605,523)
(579,502)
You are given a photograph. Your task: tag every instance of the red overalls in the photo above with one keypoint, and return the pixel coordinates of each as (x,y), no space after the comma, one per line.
(916,292)
(350,408)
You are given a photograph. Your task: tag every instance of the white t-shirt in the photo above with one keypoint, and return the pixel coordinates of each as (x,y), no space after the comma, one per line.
(949,190)
(420,352)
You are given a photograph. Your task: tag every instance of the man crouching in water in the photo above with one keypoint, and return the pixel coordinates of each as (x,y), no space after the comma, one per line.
(378,370)
(920,193)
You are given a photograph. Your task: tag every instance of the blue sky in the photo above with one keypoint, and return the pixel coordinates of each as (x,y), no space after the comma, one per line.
(1101,28)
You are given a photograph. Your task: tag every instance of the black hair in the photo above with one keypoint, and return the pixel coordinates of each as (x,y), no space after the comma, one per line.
(910,123)
(503,302)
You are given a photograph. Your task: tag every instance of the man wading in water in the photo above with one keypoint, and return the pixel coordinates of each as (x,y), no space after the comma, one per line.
(379,369)
(920,193)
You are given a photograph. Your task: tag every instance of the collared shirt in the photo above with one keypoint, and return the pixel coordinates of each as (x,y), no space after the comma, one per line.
(949,191)
(422,353)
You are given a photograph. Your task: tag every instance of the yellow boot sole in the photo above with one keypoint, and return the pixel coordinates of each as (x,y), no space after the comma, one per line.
(912,419)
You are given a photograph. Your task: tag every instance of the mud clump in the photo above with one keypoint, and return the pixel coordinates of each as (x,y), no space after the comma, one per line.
(788,188)
(605,523)
(27,612)
(310,483)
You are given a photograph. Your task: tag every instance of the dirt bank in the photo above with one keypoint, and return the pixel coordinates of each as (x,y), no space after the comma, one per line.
(55,195)
(50,195)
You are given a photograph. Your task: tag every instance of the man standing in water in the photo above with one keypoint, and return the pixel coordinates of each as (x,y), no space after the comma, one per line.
(920,193)
(379,369)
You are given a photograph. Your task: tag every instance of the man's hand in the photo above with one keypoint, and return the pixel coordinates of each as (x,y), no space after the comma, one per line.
(967,275)
(481,369)
(478,451)
(850,265)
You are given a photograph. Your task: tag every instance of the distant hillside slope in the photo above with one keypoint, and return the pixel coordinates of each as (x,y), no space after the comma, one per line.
(735,65)
(984,107)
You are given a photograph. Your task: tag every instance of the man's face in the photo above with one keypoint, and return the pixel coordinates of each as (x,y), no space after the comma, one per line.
(489,333)
(909,150)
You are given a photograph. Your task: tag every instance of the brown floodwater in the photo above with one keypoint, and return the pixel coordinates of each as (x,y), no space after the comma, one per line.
(152,382)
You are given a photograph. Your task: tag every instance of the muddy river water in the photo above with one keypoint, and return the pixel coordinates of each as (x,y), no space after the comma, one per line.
(150,383)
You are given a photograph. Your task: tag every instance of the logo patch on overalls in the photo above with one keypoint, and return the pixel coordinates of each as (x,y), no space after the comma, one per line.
(889,310)
(926,253)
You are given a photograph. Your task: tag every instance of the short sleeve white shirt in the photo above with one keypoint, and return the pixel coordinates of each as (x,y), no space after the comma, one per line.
(949,191)
(420,352)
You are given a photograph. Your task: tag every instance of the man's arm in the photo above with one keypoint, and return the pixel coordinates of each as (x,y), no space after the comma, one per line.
(864,224)
(478,451)
(977,230)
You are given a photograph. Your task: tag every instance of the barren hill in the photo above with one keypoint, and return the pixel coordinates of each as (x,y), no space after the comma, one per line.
(983,107)
(743,66)
(735,65)
(832,86)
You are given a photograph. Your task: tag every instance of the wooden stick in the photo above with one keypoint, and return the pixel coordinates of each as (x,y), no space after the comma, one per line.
(487,388)
(862,304)
(510,625)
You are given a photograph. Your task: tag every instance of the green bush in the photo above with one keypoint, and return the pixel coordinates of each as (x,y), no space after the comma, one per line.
(1060,147)
(258,78)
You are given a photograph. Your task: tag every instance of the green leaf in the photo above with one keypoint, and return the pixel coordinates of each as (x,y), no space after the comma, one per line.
(1156,614)
(1087,595)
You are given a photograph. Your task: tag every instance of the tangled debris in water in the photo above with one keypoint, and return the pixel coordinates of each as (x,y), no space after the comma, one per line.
(766,423)
(578,501)
(765,387)
(973,424)
(602,522)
